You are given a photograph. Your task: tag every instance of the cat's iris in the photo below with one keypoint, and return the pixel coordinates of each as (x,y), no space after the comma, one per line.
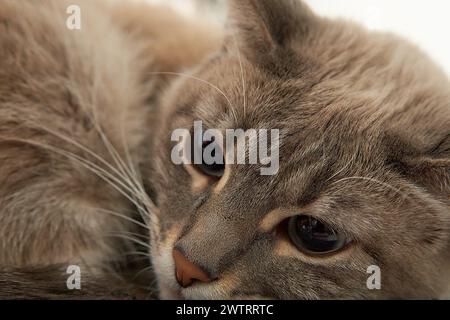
(210,168)
(314,237)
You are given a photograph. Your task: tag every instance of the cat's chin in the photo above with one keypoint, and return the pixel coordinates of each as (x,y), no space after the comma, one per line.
(202,292)
(207,293)
(196,292)
(166,293)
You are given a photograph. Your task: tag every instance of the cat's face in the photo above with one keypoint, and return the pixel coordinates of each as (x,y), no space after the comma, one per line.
(363,175)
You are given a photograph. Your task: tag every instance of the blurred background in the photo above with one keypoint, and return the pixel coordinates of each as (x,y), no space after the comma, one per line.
(427,23)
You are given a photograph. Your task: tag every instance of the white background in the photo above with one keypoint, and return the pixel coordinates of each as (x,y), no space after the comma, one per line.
(427,23)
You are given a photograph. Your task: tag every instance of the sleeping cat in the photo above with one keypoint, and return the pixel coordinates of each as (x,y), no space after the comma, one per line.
(86,118)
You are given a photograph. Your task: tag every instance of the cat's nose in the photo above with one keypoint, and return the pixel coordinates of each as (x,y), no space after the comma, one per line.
(187,272)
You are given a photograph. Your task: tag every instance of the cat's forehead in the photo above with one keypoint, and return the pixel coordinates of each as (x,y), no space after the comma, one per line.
(240,95)
(302,108)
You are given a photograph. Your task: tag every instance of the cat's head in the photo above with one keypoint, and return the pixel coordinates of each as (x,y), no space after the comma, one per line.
(364,155)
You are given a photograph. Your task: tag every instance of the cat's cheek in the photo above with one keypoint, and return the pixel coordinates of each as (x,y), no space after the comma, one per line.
(164,271)
(164,266)
(167,287)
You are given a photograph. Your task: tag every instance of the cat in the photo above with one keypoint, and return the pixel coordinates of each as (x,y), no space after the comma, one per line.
(72,103)
(86,119)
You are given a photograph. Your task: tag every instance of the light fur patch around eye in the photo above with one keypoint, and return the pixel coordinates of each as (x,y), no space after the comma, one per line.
(275,217)
(318,209)
(199,181)
(284,248)
(230,154)
(223,180)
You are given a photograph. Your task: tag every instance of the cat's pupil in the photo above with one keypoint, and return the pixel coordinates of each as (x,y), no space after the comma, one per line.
(313,236)
(215,169)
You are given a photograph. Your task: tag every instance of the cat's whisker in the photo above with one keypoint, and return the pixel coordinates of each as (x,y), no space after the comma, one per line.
(129,175)
(343,168)
(140,191)
(81,147)
(125,237)
(108,144)
(116,214)
(148,268)
(137,253)
(94,120)
(372,180)
(244,93)
(134,234)
(104,175)
(194,78)
(128,172)
(100,172)
(134,238)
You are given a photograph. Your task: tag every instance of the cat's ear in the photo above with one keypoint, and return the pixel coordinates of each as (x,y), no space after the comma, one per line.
(263,26)
(432,168)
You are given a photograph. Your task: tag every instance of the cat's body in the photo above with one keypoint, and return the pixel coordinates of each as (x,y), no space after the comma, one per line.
(63,91)
(364,120)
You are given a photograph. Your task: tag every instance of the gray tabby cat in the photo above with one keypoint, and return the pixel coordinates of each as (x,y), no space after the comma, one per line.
(86,174)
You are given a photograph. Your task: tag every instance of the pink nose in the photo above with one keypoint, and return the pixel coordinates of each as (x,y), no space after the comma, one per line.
(187,272)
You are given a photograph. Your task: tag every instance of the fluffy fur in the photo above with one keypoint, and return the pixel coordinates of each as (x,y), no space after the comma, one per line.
(85,124)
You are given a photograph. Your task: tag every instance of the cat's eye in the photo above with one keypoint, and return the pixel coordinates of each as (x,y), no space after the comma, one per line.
(212,159)
(315,237)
